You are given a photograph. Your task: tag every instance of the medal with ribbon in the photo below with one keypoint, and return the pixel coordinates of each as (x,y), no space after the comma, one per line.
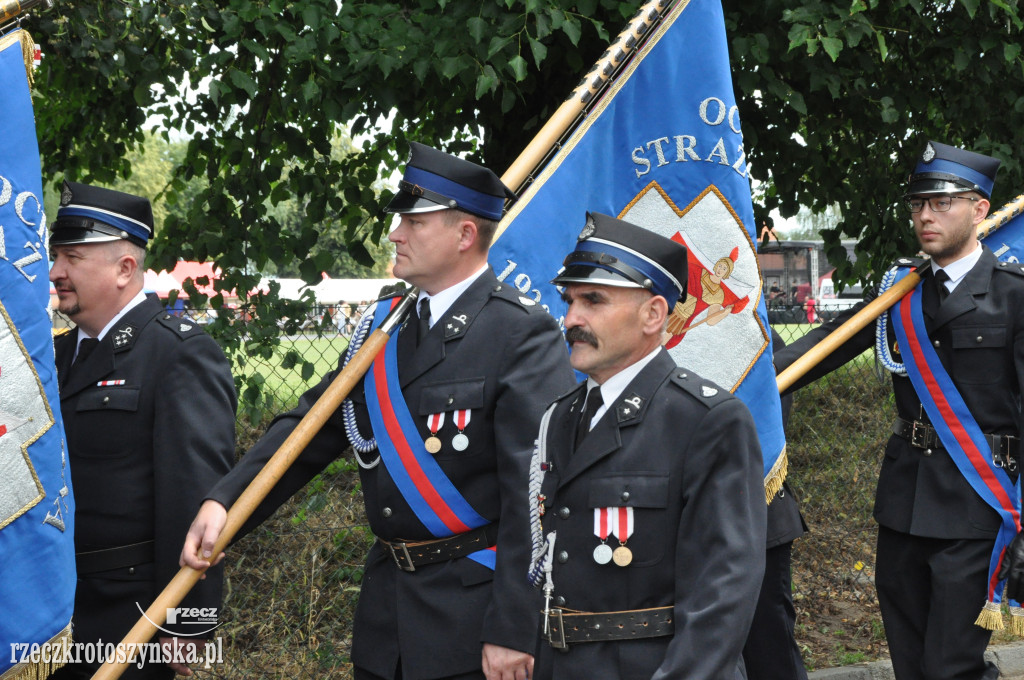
(602,528)
(460,442)
(434,423)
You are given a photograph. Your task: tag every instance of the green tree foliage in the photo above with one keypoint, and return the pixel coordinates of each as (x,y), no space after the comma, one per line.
(837,99)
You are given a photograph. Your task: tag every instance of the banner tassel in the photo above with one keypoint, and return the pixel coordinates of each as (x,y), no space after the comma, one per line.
(776,476)
(1017,621)
(990,618)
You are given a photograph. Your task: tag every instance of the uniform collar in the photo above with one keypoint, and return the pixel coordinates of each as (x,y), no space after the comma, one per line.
(440,302)
(613,386)
(134,302)
(958,270)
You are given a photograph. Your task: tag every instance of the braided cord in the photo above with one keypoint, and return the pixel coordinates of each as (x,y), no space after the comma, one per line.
(348,411)
(881,330)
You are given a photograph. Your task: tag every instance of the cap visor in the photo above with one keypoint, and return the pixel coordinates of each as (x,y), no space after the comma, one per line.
(585,274)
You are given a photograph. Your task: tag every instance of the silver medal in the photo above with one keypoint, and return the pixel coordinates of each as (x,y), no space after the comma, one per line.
(603,554)
(460,442)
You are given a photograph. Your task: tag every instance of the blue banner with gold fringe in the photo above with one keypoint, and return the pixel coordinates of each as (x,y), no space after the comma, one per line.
(37,555)
(663,149)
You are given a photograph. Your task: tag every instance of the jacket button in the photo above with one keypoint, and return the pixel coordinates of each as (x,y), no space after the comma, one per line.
(131,570)
(563,557)
(936,343)
(564,513)
(927,452)
(451,400)
(560,601)
(106,400)
(386,512)
(625,496)
(978,339)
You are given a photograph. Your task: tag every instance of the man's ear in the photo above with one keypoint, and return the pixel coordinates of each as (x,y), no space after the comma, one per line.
(653,315)
(981,209)
(127,268)
(468,235)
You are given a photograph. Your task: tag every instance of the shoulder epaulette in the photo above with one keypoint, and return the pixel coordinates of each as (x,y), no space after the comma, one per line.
(511,294)
(701,389)
(182,326)
(57,332)
(1011,267)
(916,262)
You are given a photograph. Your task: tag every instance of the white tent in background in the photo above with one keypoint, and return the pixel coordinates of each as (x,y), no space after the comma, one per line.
(332,291)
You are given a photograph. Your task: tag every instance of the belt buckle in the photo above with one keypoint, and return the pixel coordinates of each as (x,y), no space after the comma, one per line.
(558,643)
(919,435)
(405,561)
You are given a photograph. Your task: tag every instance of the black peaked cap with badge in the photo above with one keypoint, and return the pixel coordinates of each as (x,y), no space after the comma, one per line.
(944,169)
(435,180)
(613,252)
(89,214)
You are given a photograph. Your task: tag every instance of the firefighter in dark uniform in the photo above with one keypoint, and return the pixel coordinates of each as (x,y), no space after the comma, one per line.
(647,483)
(475,365)
(148,404)
(936,534)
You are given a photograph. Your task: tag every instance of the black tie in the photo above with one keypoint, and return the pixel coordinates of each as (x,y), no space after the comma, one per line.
(940,283)
(594,402)
(85,348)
(423,325)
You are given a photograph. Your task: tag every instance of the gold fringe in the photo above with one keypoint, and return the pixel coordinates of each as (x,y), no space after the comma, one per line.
(1017,621)
(776,476)
(28,53)
(40,671)
(990,617)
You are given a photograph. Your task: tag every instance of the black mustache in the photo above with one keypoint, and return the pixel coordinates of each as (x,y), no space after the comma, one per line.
(577,334)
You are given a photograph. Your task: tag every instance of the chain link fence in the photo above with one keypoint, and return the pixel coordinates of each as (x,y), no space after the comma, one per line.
(292,584)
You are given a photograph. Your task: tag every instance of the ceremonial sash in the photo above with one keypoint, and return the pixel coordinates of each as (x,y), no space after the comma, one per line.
(421,481)
(962,438)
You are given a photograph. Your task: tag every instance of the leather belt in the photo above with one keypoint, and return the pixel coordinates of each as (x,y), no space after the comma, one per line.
(565,626)
(93,561)
(923,436)
(411,554)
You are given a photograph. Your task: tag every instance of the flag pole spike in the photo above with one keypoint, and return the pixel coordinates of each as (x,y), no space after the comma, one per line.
(881,304)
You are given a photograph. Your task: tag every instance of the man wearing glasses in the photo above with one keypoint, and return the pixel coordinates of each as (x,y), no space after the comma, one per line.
(945,497)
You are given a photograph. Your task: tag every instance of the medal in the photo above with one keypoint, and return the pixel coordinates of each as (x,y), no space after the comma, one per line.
(622,528)
(460,442)
(603,552)
(434,423)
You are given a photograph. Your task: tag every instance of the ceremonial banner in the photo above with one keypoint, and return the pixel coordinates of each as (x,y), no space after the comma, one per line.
(1007,241)
(663,149)
(37,555)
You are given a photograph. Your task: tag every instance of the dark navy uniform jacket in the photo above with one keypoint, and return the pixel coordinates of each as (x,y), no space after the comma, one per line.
(143,451)
(503,357)
(978,333)
(689,463)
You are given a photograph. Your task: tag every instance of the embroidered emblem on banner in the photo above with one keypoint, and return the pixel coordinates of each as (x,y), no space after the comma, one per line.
(723,283)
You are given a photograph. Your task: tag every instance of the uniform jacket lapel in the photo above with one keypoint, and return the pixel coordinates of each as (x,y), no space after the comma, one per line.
(627,411)
(961,300)
(100,363)
(415,360)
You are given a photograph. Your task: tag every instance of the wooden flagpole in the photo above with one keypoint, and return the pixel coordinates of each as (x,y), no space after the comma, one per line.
(534,154)
(879,305)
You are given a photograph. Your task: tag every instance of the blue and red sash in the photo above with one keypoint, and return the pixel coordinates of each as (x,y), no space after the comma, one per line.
(960,435)
(421,481)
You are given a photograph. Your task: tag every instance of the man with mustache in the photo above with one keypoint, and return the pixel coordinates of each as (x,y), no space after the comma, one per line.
(473,370)
(647,483)
(955,347)
(148,404)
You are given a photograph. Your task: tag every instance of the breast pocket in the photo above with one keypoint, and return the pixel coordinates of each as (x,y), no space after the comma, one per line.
(979,354)
(103,422)
(453,398)
(647,495)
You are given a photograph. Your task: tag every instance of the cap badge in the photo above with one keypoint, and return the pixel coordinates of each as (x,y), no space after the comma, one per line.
(65,195)
(588,230)
(929,153)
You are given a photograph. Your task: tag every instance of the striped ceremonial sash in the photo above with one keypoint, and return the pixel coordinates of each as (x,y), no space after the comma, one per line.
(961,436)
(421,481)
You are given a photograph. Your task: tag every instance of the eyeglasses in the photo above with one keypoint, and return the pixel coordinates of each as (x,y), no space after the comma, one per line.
(936,203)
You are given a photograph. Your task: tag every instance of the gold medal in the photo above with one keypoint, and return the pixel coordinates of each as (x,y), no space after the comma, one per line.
(432,444)
(622,556)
